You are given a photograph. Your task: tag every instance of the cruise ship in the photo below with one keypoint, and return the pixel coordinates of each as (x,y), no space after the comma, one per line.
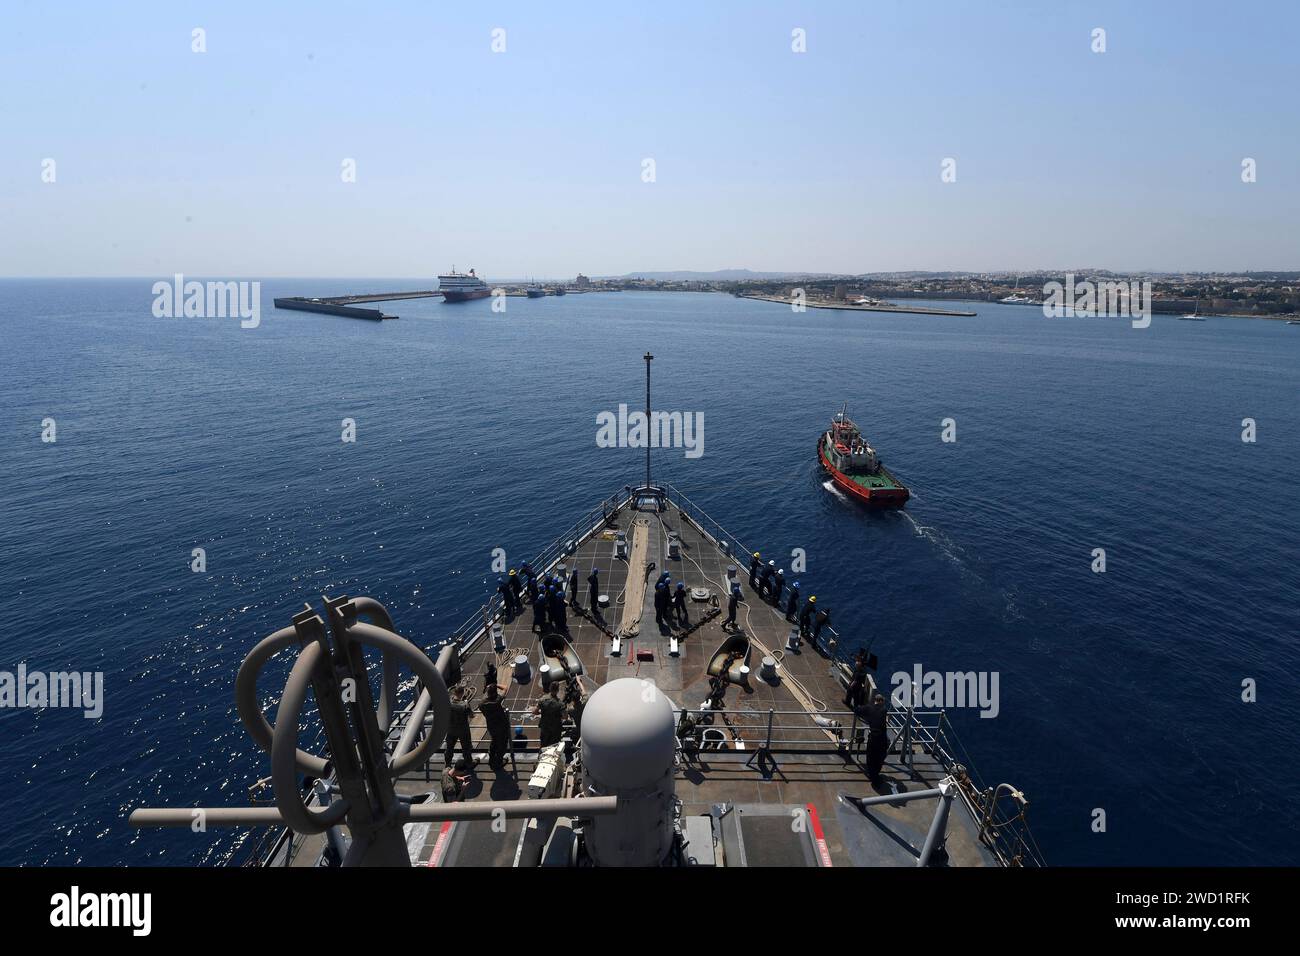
(459,287)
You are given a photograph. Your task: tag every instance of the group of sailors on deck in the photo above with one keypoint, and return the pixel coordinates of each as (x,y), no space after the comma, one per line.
(670,603)
(547,597)
(551,597)
(554,715)
(768,582)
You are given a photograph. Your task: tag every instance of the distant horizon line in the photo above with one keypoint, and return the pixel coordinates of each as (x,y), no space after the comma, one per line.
(722,274)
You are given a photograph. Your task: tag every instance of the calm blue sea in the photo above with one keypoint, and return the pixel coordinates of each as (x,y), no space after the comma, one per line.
(1119,691)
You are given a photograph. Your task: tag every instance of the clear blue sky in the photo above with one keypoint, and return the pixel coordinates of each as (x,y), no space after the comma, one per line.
(528,162)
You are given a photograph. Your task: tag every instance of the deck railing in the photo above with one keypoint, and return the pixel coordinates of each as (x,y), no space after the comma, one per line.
(830,641)
(931,731)
(480,622)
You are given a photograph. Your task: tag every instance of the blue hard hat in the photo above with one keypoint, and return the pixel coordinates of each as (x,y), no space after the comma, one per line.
(795,585)
(680,586)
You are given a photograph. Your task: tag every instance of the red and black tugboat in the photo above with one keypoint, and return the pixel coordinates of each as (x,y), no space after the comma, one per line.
(854,467)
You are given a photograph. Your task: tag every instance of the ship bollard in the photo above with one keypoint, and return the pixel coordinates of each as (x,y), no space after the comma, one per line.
(792,642)
(523,672)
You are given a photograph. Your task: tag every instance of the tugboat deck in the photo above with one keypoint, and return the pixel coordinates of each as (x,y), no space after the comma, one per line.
(880,479)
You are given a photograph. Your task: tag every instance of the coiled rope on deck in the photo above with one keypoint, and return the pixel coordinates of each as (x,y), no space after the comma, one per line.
(810,701)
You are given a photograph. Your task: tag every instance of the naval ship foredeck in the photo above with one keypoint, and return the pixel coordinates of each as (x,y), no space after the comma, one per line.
(782,762)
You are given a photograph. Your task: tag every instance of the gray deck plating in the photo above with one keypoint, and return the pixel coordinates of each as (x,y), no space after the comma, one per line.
(805,787)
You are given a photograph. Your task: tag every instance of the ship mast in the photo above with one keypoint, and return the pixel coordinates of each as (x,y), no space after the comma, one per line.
(648,359)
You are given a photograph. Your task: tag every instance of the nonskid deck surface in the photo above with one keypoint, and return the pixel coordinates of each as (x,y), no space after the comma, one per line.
(880,479)
(807,681)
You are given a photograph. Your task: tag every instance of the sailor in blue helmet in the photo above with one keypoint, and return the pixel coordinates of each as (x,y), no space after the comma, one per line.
(661,603)
(507,602)
(530,583)
(548,600)
(679,605)
(593,587)
(559,616)
(732,604)
(539,613)
(573,588)
(793,604)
